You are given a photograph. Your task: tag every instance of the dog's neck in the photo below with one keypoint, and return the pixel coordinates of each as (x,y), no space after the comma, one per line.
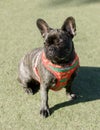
(63,64)
(47,61)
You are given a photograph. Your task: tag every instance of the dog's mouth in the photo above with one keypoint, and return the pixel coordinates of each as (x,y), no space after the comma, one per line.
(61,60)
(56,59)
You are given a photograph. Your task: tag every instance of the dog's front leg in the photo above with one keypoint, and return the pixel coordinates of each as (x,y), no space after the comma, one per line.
(44,101)
(69,92)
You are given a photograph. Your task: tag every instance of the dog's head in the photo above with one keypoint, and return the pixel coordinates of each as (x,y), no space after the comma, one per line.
(58,44)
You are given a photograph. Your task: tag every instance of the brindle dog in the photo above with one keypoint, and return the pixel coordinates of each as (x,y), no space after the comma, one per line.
(59,50)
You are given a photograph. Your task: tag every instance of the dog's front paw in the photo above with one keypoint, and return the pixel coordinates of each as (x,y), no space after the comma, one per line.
(72,96)
(45,112)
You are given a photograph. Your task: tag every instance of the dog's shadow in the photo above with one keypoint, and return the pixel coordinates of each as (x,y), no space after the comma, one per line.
(86,85)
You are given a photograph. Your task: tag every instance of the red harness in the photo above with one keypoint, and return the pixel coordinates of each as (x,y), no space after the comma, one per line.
(63,74)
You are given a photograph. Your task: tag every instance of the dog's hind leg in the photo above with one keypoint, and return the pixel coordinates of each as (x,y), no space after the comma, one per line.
(30,85)
(24,76)
(24,84)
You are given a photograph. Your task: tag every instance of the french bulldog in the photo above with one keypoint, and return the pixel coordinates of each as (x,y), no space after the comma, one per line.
(53,66)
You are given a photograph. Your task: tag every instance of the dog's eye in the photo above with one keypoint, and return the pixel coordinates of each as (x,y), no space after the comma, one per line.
(57,43)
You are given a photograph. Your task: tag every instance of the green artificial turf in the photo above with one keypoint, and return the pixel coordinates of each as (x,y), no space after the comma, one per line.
(19,34)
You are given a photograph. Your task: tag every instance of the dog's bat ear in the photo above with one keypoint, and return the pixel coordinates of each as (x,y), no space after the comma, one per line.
(69,26)
(42,26)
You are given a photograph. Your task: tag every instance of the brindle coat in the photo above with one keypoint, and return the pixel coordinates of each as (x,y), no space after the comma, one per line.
(59,49)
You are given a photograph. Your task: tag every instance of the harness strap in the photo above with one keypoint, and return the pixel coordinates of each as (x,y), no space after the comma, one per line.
(63,74)
(35,66)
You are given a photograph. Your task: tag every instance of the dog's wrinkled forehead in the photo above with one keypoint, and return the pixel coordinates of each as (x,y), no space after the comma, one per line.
(56,34)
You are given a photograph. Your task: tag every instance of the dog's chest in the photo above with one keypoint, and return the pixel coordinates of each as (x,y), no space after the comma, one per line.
(62,74)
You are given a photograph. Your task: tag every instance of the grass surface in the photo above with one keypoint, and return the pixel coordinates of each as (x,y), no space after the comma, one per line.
(19,34)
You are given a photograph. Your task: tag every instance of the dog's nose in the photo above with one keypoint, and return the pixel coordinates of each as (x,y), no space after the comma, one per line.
(51,49)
